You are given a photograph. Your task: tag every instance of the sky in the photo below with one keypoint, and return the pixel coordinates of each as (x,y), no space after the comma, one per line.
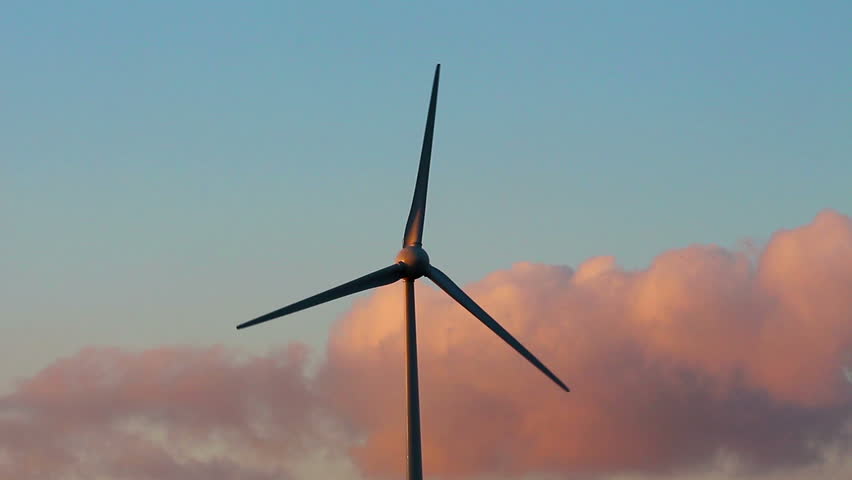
(168,171)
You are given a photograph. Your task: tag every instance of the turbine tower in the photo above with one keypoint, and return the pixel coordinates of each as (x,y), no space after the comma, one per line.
(411,263)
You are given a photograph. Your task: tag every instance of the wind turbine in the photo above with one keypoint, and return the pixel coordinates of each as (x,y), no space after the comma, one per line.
(412,262)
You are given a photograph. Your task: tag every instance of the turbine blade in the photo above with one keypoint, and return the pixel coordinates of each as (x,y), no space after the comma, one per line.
(453,290)
(378,278)
(414,227)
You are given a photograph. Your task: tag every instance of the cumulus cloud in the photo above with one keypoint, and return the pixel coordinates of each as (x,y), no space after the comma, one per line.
(707,361)
(707,351)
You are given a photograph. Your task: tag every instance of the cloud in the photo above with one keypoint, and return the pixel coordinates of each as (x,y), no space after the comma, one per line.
(707,351)
(169,413)
(707,361)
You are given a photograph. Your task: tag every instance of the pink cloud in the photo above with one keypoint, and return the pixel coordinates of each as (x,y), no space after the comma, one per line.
(162,413)
(706,352)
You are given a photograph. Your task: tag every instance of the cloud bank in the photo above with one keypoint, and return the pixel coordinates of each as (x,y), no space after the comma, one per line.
(165,413)
(706,354)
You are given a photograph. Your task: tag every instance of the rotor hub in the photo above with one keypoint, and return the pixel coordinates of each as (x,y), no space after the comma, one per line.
(415,259)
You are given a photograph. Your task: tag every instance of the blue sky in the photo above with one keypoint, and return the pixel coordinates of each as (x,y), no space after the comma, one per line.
(170,170)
